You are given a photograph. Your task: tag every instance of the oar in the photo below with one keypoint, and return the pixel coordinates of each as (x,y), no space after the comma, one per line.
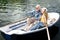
(47,32)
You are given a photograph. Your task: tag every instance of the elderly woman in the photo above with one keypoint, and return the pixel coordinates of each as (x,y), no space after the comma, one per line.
(44,16)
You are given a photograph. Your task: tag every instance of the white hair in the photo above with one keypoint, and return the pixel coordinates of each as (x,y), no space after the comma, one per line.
(44,8)
(37,5)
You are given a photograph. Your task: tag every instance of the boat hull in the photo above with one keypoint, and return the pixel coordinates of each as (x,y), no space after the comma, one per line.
(16,34)
(36,35)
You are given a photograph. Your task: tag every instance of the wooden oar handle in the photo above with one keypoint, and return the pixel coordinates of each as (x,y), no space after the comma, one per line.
(47,32)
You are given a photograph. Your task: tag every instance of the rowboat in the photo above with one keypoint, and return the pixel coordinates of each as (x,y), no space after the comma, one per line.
(15,28)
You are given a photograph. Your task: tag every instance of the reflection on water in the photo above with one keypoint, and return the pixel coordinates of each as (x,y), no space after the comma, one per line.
(13,10)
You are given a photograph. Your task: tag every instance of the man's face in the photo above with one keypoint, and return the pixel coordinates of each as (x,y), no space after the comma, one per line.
(37,8)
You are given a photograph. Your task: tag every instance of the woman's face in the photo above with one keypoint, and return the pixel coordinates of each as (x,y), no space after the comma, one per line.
(43,10)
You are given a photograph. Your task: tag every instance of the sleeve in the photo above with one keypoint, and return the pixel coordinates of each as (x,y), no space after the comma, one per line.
(31,14)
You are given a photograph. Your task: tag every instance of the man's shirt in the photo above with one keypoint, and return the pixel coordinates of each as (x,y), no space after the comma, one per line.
(35,14)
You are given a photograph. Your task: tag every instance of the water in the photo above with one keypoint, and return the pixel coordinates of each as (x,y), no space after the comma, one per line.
(14,10)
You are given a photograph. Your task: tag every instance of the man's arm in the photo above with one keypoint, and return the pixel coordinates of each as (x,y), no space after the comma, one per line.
(30,14)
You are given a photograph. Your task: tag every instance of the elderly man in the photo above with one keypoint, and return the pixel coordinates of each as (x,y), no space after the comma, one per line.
(36,13)
(33,22)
